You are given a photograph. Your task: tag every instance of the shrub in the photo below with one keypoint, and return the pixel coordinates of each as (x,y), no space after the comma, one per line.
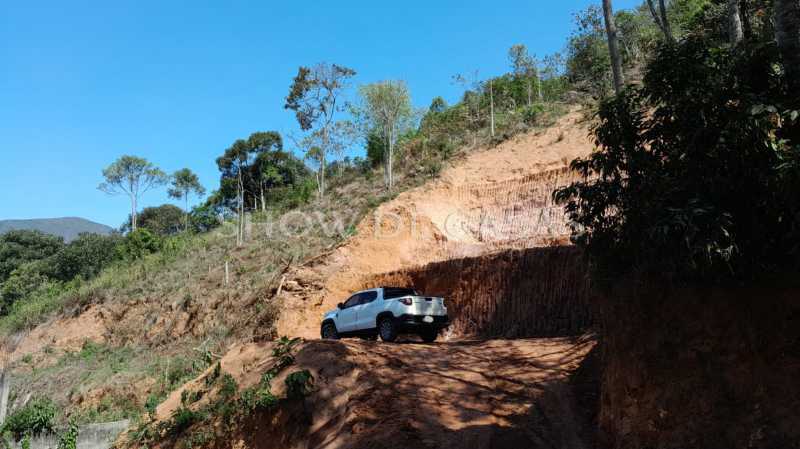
(85,256)
(36,417)
(530,114)
(298,384)
(139,243)
(69,439)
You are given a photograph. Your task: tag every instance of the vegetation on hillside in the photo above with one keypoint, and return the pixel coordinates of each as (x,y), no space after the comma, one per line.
(698,172)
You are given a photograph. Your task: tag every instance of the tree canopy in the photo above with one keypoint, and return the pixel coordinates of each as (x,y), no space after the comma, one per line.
(132,176)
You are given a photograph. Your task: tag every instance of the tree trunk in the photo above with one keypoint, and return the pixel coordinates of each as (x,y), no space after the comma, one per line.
(538,84)
(491,105)
(529,93)
(665,20)
(661,18)
(613,46)
(735,33)
(263,199)
(240,225)
(133,213)
(186,211)
(787,33)
(391,158)
(322,152)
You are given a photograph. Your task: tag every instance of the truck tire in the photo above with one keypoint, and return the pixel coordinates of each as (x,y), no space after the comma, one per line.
(429,335)
(329,332)
(387,329)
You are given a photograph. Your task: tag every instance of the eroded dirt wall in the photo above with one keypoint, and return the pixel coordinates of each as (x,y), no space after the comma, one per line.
(702,367)
(533,292)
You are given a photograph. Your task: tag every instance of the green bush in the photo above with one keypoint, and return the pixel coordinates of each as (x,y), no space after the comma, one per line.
(24,281)
(530,114)
(69,439)
(163,220)
(85,256)
(36,417)
(139,243)
(298,384)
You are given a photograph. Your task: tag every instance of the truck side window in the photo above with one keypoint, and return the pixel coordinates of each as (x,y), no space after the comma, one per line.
(368,297)
(352,301)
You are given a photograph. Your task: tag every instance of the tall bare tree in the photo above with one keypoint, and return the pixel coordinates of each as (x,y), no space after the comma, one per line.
(787,33)
(132,176)
(315,98)
(613,46)
(735,31)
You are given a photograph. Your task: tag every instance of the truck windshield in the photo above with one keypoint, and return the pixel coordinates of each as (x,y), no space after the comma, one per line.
(393,292)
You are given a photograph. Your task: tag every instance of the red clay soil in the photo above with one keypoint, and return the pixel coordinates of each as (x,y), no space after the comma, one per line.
(526,393)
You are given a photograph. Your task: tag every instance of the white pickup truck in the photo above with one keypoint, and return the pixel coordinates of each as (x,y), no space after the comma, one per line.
(386,312)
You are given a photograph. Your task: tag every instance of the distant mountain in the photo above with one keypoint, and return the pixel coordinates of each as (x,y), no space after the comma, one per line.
(67,227)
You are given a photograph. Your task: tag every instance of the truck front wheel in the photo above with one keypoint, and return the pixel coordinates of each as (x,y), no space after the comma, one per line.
(329,332)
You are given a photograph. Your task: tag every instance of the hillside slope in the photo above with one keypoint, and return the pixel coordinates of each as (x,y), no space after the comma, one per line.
(492,200)
(67,227)
(132,337)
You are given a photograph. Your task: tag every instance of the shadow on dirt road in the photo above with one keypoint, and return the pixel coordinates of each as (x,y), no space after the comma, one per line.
(531,393)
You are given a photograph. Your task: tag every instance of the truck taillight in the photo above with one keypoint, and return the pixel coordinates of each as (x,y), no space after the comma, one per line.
(406,301)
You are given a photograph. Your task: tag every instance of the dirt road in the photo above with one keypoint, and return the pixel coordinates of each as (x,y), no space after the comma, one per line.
(526,393)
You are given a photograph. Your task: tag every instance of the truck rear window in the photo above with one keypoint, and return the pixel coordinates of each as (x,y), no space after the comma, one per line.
(394,292)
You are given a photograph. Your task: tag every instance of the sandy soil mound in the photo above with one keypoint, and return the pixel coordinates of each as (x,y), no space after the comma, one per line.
(491,200)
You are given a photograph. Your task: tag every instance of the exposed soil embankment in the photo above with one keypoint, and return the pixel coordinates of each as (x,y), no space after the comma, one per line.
(701,367)
(491,201)
(533,292)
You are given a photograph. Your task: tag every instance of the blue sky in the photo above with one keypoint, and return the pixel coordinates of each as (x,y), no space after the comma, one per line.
(82,83)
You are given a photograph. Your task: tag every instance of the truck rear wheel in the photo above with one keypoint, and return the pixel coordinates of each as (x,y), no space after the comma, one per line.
(387,329)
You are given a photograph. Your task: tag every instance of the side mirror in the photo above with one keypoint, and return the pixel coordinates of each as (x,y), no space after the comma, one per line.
(340,306)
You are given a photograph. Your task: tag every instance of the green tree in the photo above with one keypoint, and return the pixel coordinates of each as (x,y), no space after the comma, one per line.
(588,59)
(163,220)
(132,176)
(386,108)
(697,174)
(85,256)
(240,181)
(523,66)
(19,247)
(185,183)
(280,174)
(315,98)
